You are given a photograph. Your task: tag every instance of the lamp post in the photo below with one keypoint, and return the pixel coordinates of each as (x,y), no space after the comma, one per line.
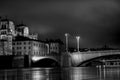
(66,36)
(78,39)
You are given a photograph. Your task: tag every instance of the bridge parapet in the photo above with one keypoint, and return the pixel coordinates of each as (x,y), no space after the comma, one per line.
(94,52)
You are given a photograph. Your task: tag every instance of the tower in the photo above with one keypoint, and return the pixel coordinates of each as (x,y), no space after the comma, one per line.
(7,32)
(22,30)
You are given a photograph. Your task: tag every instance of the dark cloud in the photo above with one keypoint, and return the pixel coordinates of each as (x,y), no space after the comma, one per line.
(96,21)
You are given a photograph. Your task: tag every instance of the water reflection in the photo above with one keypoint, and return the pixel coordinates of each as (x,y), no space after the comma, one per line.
(42,74)
(76,73)
(79,73)
(109,73)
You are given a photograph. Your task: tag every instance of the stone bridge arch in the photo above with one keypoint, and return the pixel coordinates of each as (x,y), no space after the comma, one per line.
(78,58)
(44,62)
(99,60)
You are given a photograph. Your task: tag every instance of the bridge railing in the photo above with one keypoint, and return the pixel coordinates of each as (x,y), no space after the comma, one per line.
(94,52)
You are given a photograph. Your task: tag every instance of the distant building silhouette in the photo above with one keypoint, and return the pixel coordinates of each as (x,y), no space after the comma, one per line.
(55,46)
(33,36)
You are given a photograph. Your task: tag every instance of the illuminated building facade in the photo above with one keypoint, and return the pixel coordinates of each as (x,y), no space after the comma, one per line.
(7,28)
(7,32)
(5,47)
(25,46)
(55,46)
(16,40)
(22,30)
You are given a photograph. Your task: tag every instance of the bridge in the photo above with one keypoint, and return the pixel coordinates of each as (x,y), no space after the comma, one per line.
(76,59)
(84,58)
(45,61)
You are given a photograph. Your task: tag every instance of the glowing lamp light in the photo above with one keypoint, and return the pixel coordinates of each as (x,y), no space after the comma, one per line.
(35,58)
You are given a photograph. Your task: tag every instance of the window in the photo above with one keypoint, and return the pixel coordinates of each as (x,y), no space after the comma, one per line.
(4,26)
(24,47)
(34,44)
(56,47)
(29,43)
(3,32)
(13,43)
(20,43)
(24,43)
(29,47)
(17,43)
(17,47)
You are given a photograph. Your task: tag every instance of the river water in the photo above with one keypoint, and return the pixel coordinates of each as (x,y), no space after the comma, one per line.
(75,73)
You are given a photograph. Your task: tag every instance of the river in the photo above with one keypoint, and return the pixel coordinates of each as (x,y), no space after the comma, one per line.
(74,73)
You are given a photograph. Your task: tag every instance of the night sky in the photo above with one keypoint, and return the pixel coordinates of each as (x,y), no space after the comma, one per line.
(97,22)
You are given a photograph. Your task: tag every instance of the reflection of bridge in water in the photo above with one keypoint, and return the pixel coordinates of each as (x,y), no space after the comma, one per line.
(90,58)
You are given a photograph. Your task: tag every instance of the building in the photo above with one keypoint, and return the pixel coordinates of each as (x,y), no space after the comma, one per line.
(7,32)
(5,47)
(16,40)
(22,30)
(55,46)
(26,46)
(33,36)
(7,28)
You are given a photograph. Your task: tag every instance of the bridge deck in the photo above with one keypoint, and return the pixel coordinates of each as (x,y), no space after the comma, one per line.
(79,57)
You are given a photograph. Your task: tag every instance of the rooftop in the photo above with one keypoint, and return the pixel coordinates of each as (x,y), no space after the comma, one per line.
(19,25)
(22,38)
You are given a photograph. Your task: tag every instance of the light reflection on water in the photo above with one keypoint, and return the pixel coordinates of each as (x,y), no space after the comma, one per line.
(76,73)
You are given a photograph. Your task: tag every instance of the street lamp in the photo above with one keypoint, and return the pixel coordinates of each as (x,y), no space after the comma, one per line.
(78,39)
(66,36)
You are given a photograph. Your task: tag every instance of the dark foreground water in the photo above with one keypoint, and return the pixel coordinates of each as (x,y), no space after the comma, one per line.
(80,73)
